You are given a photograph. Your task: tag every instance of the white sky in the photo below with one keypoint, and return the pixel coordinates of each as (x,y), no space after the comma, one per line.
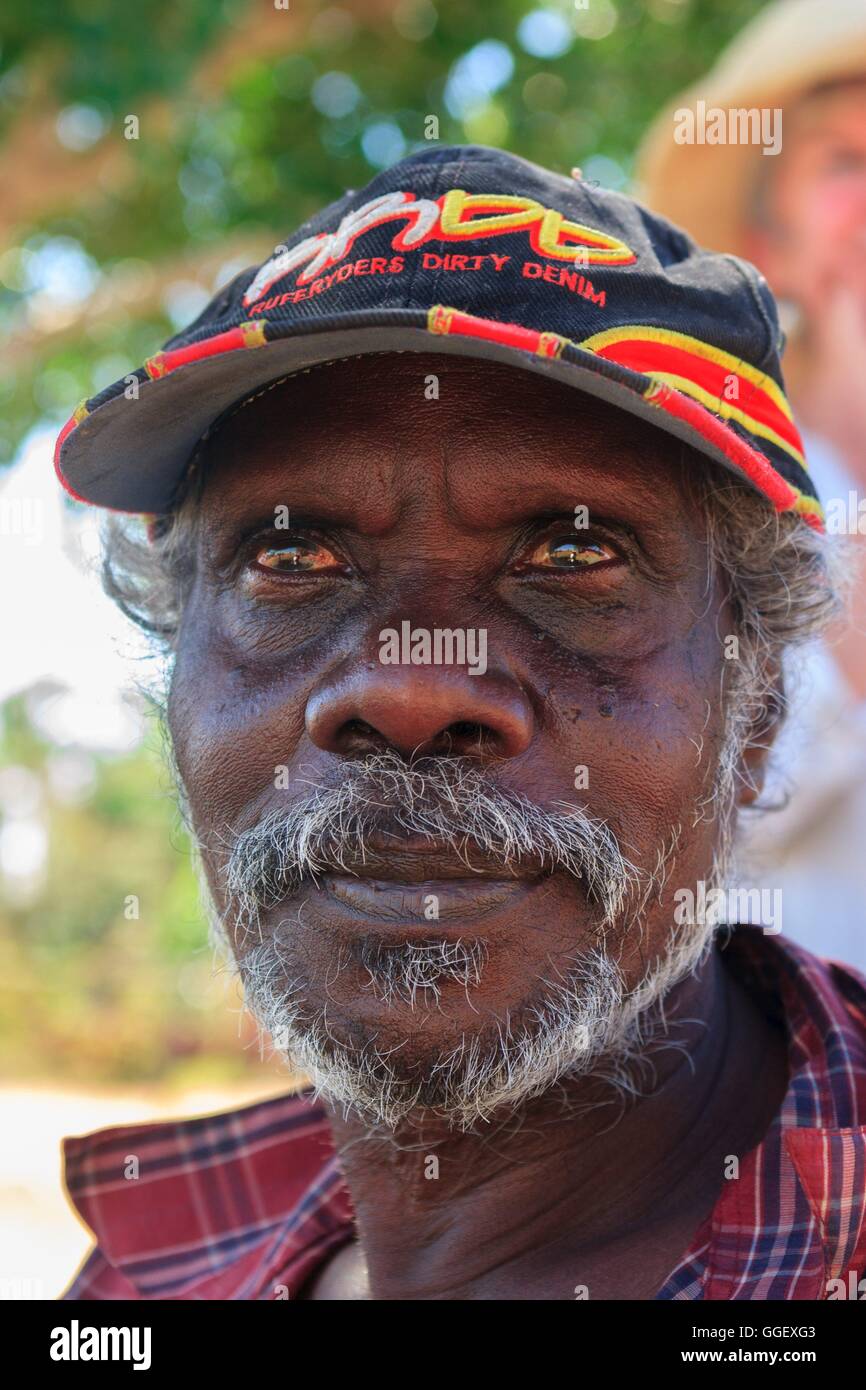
(55,623)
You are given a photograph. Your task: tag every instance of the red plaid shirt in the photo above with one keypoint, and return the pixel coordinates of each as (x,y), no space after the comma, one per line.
(249,1204)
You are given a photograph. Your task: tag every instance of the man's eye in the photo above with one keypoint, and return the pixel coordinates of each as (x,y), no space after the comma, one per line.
(299,555)
(570,553)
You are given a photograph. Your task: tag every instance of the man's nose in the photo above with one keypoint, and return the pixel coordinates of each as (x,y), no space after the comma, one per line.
(419,710)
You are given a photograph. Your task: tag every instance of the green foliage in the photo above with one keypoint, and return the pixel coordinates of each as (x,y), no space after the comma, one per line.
(252,155)
(107,975)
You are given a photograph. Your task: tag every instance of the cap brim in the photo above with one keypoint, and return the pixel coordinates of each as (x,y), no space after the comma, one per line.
(130,452)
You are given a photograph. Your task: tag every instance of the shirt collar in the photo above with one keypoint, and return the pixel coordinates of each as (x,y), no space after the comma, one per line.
(216,1206)
(795,1217)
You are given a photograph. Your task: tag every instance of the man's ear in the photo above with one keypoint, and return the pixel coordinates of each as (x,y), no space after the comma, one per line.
(756,754)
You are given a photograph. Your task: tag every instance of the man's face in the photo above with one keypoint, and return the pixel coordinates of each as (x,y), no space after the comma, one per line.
(598,704)
(817,199)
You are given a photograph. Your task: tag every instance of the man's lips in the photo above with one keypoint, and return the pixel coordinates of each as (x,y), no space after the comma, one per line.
(424,902)
(416,881)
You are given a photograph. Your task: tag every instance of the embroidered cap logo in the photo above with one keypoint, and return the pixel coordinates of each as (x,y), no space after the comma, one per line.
(456,216)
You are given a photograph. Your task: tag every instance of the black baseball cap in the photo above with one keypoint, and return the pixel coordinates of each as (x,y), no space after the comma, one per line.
(468,250)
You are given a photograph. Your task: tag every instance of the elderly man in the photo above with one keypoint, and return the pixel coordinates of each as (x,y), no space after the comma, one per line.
(476,528)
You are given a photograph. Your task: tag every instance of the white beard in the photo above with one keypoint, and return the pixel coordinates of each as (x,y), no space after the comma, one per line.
(589,1024)
(587,1020)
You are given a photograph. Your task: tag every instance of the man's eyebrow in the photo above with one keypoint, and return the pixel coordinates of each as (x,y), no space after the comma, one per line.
(572,515)
(640,513)
(235,525)
(222,537)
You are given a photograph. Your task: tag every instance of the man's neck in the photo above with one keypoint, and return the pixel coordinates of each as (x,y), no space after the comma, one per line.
(581,1178)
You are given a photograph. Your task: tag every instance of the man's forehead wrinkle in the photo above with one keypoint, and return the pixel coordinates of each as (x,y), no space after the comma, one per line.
(491,488)
(337,475)
(545,442)
(482,457)
(479,488)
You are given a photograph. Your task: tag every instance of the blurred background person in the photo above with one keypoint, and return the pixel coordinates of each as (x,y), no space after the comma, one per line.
(798,211)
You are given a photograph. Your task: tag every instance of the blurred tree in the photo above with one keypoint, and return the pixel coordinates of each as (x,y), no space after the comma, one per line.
(106,973)
(247,117)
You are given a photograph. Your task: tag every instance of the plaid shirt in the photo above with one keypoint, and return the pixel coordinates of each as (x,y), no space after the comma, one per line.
(249,1204)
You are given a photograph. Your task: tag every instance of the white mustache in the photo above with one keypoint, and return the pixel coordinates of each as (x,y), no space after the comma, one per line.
(451,801)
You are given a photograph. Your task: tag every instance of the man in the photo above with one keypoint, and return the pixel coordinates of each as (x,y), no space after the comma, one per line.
(796,206)
(475,623)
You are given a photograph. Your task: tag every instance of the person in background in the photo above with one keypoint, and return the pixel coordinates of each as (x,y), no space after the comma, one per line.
(796,206)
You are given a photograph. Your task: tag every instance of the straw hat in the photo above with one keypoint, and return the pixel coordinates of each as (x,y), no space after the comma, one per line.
(788,48)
